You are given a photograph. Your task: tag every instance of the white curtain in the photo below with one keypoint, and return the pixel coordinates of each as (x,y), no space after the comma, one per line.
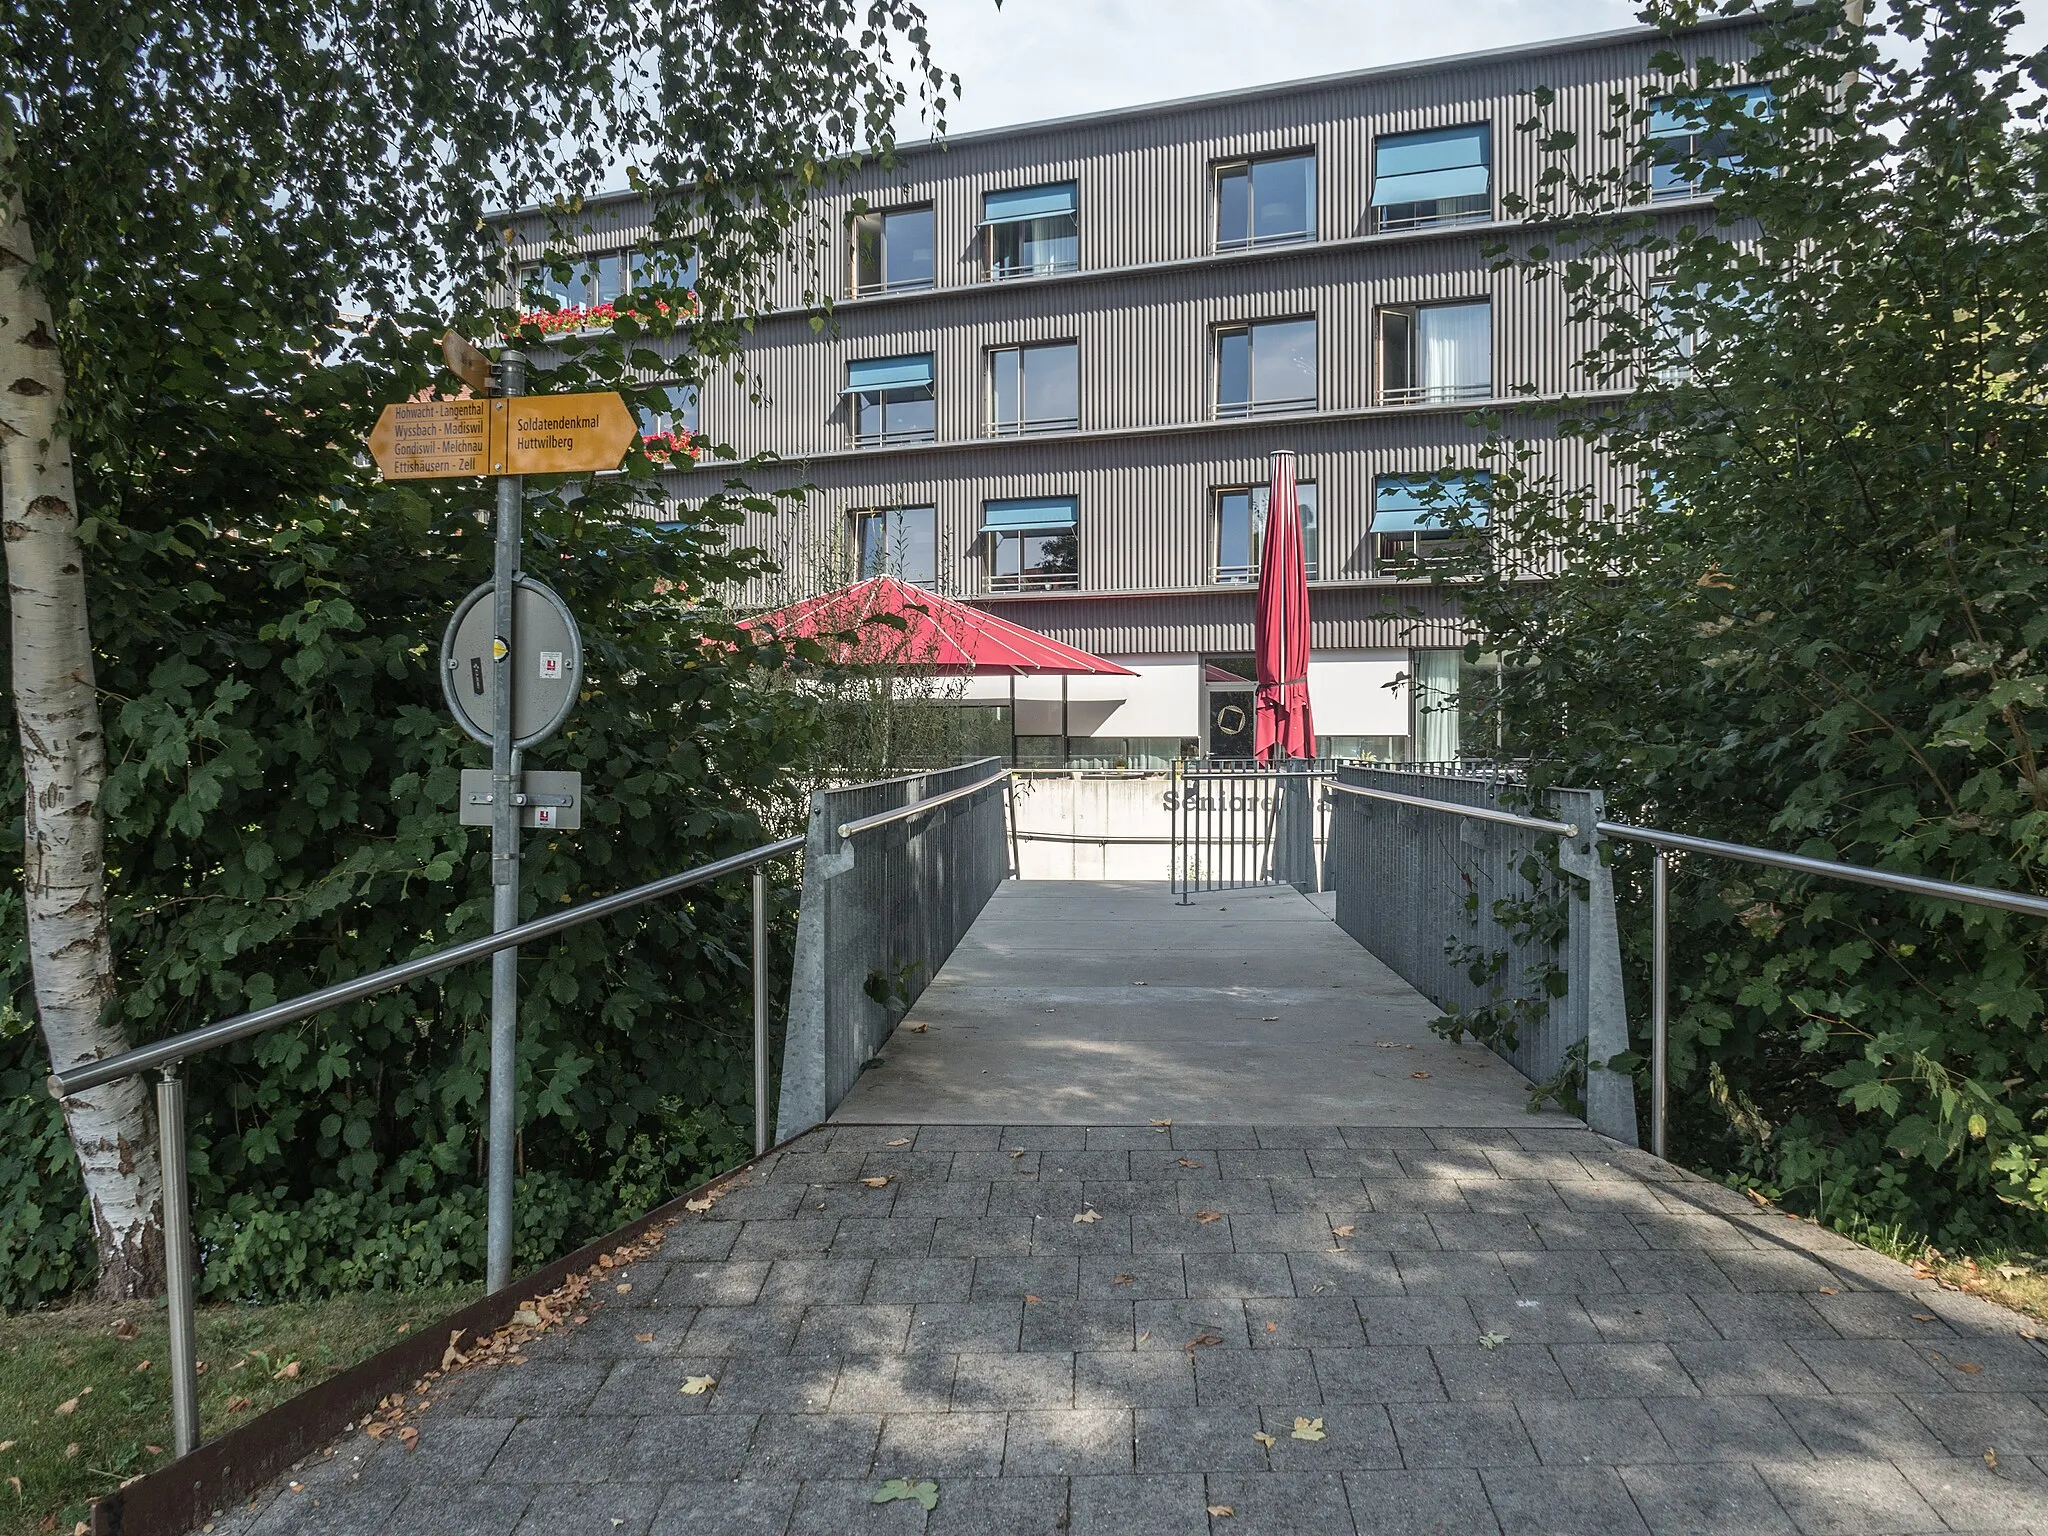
(1454,344)
(1436,711)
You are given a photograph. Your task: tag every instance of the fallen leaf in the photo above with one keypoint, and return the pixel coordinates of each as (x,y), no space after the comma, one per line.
(526,1317)
(1349,1229)
(1968,1368)
(15,1484)
(410,1436)
(2009,1271)
(405,1327)
(1991,1457)
(643,1338)
(1308,1429)
(925,1493)
(625,1286)
(1418,1074)
(289,1371)
(1018,1153)
(1923,1317)
(123,1329)
(699,1206)
(68,1406)
(154,1450)
(1145,1335)
(1264,1439)
(697,1386)
(1085,1218)
(142,1365)
(1272,1327)
(1206,1217)
(918,1029)
(71,1450)
(1029,1299)
(237,1404)
(1492,1340)
(1118,1280)
(1205,1340)
(1162,1125)
(376,1431)
(878,1181)
(1829,1290)
(1759,1199)
(452,1356)
(1219,1511)
(6,1445)
(900,1141)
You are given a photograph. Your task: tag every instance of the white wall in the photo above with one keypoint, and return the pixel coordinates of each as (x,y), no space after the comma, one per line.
(1348,693)
(1164,699)
(1076,805)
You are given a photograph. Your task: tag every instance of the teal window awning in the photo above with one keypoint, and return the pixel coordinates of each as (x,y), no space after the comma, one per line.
(1029,203)
(1429,166)
(889,373)
(1676,116)
(1399,504)
(1029,512)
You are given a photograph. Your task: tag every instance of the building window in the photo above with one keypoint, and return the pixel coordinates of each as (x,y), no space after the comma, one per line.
(892,400)
(898,541)
(892,251)
(1031,231)
(1241,525)
(680,416)
(1418,516)
(1265,201)
(604,279)
(1683,145)
(1270,366)
(1442,176)
(1673,339)
(1033,544)
(1436,352)
(1034,389)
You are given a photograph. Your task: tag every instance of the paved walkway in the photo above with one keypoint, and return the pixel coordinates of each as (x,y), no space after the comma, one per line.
(1097,1003)
(1530,1330)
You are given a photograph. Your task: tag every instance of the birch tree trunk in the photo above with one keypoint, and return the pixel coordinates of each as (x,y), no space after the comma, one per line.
(64,760)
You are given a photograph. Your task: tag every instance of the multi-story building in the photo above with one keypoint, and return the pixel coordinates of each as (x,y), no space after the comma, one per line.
(1061,355)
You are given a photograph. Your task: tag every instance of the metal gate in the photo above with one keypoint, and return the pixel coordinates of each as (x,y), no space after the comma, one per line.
(1240,823)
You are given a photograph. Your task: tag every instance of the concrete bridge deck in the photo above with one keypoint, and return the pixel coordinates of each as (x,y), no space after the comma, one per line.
(1349,1322)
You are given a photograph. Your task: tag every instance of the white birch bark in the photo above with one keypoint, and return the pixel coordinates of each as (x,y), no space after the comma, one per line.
(64,759)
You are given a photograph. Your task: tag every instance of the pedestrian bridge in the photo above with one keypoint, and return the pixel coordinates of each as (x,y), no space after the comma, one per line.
(1098,1211)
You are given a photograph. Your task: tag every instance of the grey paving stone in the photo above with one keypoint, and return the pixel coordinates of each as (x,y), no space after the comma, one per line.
(1431,1503)
(1136,1277)
(1092,1163)
(1391,1138)
(1286,1136)
(1282,1377)
(1174,1232)
(769,1384)
(716,1285)
(1353,1435)
(1295,1323)
(839,1329)
(1535,1319)
(548,1450)
(613,1333)
(710,1239)
(913,1383)
(999,1279)
(1742,1367)
(920,1280)
(1882,1315)
(1460,1435)
(1238,1274)
(863,1200)
(1623,1370)
(1160,1505)
(1001,1506)
(1121,1138)
(1230,1196)
(1973,1316)
(1606,1231)
(1647,1316)
(1264,1164)
(1298,1232)
(1036,1138)
(1693,1231)
(1694,1274)
(1197,1164)
(1488,1234)
(659,1450)
(1275,1502)
(1468,1163)
(1352,1163)
(354,1511)
(806,1237)
(1069,1442)
(1199,1440)
(1172,1324)
(1717,1429)
(1693,1499)
(1109,1233)
(981,1237)
(539,1387)
(1383,1374)
(920,1445)
(965,1201)
(589,1509)
(1970,1423)
(1008,1163)
(959,1138)
(1462,1274)
(1509,1195)
(1353,1272)
(654,1386)
(1060,1324)
(1868,1365)
(1878,1426)
(891,1237)
(1418,1320)
(1966,1492)
(829,1507)
(1122,1379)
(1606,1196)
(1532,1501)
(1214,1136)
(1391,1194)
(1773,1271)
(487,1509)
(1040,1380)
(800,1282)
(1763,1315)
(1128,1195)
(1595,1432)
(758,1330)
(790,1446)
(731,1509)
(979,1327)
(1506,1373)
(1853,1498)
(2002,1365)
(1327,1196)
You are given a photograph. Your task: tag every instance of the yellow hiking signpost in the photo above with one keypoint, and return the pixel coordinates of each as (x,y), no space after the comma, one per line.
(522,435)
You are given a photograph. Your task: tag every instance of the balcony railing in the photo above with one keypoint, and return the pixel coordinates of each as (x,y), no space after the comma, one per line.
(1448,210)
(1234,408)
(1424,394)
(1050,581)
(1035,424)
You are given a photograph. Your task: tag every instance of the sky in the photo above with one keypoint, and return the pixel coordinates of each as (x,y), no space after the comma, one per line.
(1034,59)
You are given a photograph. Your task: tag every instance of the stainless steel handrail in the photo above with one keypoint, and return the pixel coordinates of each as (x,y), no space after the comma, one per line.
(918,807)
(1476,812)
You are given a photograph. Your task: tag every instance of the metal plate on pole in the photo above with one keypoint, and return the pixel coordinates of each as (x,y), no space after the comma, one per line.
(548,799)
(546,664)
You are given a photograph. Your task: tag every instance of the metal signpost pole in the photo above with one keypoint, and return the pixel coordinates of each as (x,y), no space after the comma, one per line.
(504,1111)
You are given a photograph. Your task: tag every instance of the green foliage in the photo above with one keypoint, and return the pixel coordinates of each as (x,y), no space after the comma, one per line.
(253,222)
(1817,624)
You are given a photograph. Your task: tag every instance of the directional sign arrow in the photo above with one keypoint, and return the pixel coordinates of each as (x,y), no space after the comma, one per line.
(433,439)
(559,434)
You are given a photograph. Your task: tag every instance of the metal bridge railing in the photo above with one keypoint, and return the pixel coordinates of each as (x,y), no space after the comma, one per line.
(167,1057)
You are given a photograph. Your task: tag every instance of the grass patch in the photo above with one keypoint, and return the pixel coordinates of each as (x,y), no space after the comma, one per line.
(80,1411)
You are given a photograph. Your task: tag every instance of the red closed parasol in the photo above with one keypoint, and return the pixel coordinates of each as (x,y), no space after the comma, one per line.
(1282,727)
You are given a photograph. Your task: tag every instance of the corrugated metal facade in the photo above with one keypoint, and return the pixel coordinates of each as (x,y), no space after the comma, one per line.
(1149,454)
